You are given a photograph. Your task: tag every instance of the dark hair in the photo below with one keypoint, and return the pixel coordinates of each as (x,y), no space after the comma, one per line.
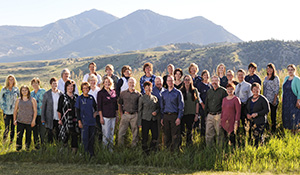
(85,84)
(147,83)
(146,65)
(178,70)
(124,68)
(35,80)
(252,65)
(92,63)
(255,85)
(28,94)
(68,82)
(192,89)
(230,85)
(272,66)
(52,80)
(242,71)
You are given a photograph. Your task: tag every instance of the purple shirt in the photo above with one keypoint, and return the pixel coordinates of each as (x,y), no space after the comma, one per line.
(231,112)
(107,103)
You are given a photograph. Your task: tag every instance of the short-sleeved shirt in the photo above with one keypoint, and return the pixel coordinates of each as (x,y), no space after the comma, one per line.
(87,108)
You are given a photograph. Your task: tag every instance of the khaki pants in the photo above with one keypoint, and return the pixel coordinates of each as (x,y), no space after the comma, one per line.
(212,129)
(124,124)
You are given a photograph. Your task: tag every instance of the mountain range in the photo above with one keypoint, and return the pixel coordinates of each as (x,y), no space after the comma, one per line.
(96,32)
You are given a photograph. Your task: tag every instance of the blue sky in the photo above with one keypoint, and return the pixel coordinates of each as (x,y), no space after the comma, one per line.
(247,19)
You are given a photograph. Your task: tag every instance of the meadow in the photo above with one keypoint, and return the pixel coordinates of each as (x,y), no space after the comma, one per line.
(279,154)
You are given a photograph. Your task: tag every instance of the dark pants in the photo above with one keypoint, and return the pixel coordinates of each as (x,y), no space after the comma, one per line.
(202,121)
(9,124)
(257,131)
(226,137)
(99,129)
(38,132)
(187,121)
(171,131)
(88,138)
(74,137)
(244,117)
(53,132)
(20,131)
(146,126)
(273,116)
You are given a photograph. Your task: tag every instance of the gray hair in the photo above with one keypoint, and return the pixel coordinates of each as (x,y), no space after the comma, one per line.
(134,80)
(64,71)
(159,77)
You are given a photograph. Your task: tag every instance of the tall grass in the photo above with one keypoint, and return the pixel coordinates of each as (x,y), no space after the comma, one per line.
(280,153)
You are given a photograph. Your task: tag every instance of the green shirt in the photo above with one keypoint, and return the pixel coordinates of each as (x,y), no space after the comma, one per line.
(147,105)
(214,98)
(189,104)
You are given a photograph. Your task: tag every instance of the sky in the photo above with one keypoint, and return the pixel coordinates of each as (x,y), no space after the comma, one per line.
(247,19)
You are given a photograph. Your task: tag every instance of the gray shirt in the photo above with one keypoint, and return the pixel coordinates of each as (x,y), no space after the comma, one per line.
(147,105)
(243,91)
(271,88)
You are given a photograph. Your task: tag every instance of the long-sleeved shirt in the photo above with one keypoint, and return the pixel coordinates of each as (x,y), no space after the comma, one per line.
(61,86)
(271,88)
(39,99)
(86,107)
(115,78)
(107,103)
(253,79)
(86,77)
(243,91)
(214,98)
(223,81)
(143,79)
(147,105)
(129,101)
(8,99)
(172,102)
(261,107)
(231,112)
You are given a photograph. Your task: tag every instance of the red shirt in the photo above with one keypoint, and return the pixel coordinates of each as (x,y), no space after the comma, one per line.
(231,112)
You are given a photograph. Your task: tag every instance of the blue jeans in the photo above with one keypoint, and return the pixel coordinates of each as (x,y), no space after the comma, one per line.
(88,138)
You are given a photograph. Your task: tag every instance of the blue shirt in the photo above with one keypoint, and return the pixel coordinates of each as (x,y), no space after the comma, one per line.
(253,79)
(39,99)
(172,101)
(144,79)
(196,82)
(157,93)
(86,107)
(8,99)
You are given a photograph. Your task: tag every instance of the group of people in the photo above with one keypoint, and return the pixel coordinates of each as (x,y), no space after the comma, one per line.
(175,104)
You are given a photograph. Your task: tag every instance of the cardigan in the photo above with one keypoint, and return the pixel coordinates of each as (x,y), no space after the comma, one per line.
(295,85)
(261,107)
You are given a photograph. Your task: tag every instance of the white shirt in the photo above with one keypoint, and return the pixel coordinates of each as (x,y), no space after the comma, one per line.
(61,86)
(55,97)
(243,91)
(86,77)
(124,86)
(94,93)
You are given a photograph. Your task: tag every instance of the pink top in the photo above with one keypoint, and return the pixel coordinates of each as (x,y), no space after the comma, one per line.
(231,112)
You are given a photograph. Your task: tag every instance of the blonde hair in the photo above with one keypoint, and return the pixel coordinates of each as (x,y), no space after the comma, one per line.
(92,77)
(109,66)
(111,81)
(7,82)
(218,67)
(193,65)
(292,66)
(231,71)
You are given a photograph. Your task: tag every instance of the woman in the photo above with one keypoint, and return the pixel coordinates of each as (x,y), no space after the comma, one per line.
(221,71)
(92,68)
(170,69)
(37,94)
(147,117)
(257,109)
(230,116)
(86,111)
(109,70)
(252,77)
(193,70)
(94,89)
(67,116)
(108,111)
(230,78)
(25,113)
(49,110)
(291,100)
(148,69)
(271,90)
(123,82)
(8,97)
(191,108)
(204,86)
(177,76)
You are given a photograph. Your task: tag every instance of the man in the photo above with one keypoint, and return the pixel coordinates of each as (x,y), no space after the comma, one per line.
(156,91)
(49,110)
(213,109)
(39,129)
(172,106)
(65,75)
(128,107)
(243,92)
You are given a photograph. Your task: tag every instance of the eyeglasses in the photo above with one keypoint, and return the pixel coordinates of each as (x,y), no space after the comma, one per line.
(186,79)
(290,69)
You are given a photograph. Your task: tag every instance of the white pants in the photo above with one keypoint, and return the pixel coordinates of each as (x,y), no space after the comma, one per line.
(108,131)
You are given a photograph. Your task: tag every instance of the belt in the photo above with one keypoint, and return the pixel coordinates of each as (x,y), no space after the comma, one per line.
(131,113)
(171,113)
(214,113)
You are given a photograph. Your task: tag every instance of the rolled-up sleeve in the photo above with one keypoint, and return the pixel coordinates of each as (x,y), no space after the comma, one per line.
(180,104)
